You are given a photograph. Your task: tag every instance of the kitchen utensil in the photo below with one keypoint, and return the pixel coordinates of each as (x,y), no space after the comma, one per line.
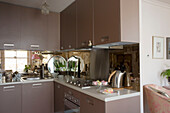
(117,80)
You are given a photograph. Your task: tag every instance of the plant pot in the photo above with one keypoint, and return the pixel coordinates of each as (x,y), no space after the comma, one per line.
(62,72)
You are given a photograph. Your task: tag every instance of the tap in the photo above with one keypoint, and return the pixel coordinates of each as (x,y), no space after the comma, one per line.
(41,70)
(78,73)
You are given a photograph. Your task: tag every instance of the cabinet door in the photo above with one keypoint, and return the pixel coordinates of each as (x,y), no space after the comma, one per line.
(9,26)
(106,21)
(91,105)
(84,22)
(33,29)
(53,31)
(38,97)
(10,99)
(59,98)
(68,27)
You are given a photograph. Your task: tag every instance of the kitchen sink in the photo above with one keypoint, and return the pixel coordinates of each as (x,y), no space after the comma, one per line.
(30,78)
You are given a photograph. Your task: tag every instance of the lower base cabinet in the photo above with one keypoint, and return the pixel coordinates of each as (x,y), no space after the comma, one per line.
(38,97)
(58,98)
(10,99)
(89,104)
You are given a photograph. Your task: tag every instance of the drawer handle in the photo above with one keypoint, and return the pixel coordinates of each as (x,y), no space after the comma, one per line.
(39,84)
(105,38)
(8,45)
(35,46)
(58,86)
(69,46)
(83,43)
(69,92)
(9,87)
(90,102)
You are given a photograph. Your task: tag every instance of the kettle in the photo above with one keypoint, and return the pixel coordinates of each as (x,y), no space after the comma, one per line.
(117,80)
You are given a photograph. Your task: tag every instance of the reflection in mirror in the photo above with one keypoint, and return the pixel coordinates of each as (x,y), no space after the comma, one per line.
(56,64)
(73,64)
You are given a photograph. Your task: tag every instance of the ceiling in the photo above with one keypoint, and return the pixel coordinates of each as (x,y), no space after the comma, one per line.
(54,5)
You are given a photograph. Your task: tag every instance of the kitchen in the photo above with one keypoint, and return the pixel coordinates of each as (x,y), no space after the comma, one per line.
(89,39)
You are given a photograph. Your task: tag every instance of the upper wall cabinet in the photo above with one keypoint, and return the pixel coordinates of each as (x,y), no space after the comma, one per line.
(33,29)
(106,21)
(102,22)
(9,26)
(116,21)
(68,27)
(53,32)
(26,28)
(84,23)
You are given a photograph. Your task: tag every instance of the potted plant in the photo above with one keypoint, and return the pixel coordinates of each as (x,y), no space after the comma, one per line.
(166,74)
(60,67)
(27,67)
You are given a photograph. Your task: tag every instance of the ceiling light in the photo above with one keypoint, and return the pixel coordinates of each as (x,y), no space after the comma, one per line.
(45,8)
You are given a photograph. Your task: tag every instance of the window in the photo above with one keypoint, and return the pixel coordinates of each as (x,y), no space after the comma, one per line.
(15,60)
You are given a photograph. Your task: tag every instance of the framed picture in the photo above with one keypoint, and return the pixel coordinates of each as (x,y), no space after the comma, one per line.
(168,48)
(157,47)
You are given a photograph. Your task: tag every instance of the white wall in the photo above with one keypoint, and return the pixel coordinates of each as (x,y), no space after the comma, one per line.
(155,21)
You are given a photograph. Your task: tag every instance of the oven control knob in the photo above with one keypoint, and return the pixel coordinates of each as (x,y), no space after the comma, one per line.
(75,101)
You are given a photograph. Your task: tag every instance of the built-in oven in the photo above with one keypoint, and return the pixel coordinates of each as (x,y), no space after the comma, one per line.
(71,104)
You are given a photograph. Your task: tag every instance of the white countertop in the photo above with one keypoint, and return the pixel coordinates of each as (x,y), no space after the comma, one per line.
(120,94)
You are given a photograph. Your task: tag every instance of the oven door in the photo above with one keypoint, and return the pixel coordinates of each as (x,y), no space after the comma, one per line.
(70,107)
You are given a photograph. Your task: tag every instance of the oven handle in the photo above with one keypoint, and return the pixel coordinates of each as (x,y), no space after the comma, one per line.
(70,104)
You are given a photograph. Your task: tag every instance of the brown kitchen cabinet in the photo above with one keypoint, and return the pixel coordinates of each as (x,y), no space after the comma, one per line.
(9,26)
(68,27)
(89,104)
(53,32)
(58,98)
(33,29)
(116,21)
(10,99)
(106,21)
(28,29)
(38,97)
(84,23)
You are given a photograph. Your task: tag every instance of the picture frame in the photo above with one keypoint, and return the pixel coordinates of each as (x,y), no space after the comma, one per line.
(157,47)
(168,48)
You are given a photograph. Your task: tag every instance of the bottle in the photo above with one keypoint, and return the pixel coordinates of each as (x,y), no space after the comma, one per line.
(42,71)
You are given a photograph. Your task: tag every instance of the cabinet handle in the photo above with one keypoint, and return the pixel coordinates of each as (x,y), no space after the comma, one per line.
(90,102)
(69,92)
(35,46)
(105,38)
(39,84)
(9,87)
(69,46)
(58,86)
(83,43)
(8,45)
